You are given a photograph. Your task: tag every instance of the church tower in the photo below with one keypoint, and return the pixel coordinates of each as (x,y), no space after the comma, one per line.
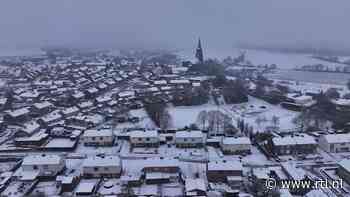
(199,52)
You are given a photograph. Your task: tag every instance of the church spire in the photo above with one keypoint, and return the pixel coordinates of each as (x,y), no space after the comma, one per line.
(199,52)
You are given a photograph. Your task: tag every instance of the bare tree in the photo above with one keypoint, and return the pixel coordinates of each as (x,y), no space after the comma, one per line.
(202,119)
(258,121)
(165,120)
(218,121)
(275,120)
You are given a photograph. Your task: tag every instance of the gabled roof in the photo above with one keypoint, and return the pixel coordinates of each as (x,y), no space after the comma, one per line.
(195,185)
(102,161)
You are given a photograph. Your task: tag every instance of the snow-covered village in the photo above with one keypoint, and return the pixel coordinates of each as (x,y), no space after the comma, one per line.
(148,124)
(174,98)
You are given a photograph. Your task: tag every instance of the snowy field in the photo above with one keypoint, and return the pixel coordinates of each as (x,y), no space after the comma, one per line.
(260,57)
(313,87)
(250,111)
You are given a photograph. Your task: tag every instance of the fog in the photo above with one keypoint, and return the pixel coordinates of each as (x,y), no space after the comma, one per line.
(174,23)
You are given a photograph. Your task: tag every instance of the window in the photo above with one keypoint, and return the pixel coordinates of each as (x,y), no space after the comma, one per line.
(95,169)
(101,138)
(93,138)
(139,139)
(147,139)
(106,168)
(185,139)
(35,167)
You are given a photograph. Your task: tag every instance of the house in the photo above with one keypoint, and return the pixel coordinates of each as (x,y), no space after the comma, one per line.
(223,171)
(160,177)
(342,104)
(70,111)
(42,107)
(297,102)
(335,143)
(343,170)
(195,187)
(140,138)
(259,178)
(37,139)
(160,165)
(67,183)
(297,174)
(50,118)
(103,137)
(3,103)
(233,145)
(43,165)
(17,115)
(293,145)
(185,139)
(28,129)
(97,167)
(86,188)
(86,121)
(85,104)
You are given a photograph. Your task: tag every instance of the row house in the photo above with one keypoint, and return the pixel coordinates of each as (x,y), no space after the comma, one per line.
(103,137)
(70,111)
(50,118)
(147,138)
(28,129)
(86,121)
(97,167)
(187,139)
(335,143)
(236,145)
(343,170)
(342,104)
(17,115)
(37,139)
(225,171)
(293,145)
(42,107)
(43,165)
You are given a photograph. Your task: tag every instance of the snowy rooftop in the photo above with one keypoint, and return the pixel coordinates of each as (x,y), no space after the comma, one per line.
(102,161)
(30,127)
(42,159)
(293,140)
(98,133)
(189,134)
(337,138)
(195,184)
(141,134)
(43,105)
(70,110)
(160,82)
(293,172)
(18,112)
(345,163)
(342,102)
(238,140)
(179,81)
(225,165)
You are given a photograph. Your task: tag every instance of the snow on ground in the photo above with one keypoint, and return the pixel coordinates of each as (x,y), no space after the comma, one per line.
(185,115)
(145,121)
(313,87)
(260,57)
(250,111)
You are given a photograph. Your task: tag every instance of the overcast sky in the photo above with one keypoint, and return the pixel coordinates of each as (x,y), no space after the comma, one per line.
(174,23)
